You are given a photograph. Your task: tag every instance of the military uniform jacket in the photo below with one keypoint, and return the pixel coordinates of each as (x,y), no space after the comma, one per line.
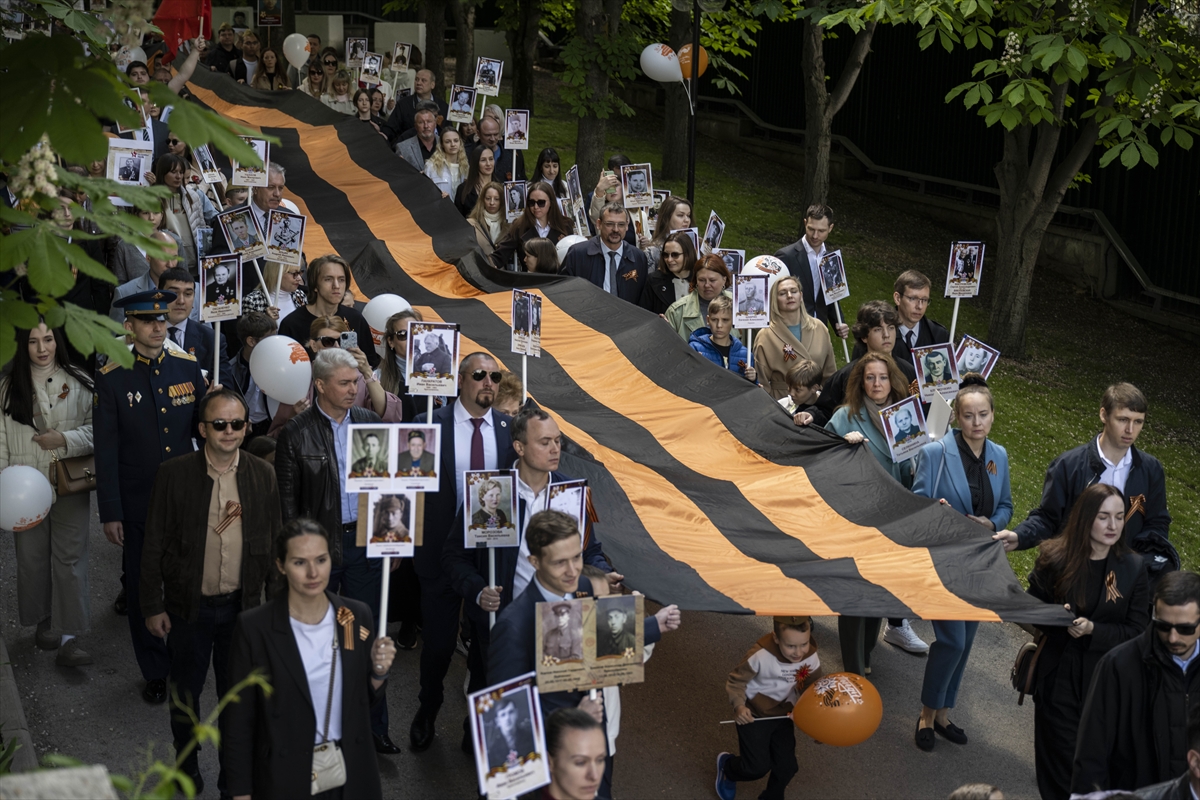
(143,416)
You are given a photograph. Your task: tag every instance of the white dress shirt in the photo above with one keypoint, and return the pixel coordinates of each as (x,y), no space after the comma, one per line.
(905,331)
(463,431)
(814,264)
(181,333)
(1115,474)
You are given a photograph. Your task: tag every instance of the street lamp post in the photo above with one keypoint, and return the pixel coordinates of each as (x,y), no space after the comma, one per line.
(696,7)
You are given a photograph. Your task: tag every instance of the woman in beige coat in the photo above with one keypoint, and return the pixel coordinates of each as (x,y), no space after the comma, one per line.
(792,335)
(47,412)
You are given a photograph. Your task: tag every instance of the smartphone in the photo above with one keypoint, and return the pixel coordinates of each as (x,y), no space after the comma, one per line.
(349,339)
(608,173)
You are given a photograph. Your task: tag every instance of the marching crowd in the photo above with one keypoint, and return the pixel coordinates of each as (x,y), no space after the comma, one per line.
(239,538)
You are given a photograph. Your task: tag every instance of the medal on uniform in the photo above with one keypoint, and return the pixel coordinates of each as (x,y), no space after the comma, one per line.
(130,396)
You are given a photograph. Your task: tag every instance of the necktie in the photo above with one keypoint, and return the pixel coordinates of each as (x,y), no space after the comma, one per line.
(911,337)
(266,221)
(477,445)
(612,272)
(145,134)
(175,335)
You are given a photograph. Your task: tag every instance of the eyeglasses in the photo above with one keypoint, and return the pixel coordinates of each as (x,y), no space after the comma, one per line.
(219,424)
(399,336)
(329,341)
(1184,628)
(479,374)
(920,301)
(172,142)
(329,63)
(295,273)
(615,226)
(538,203)
(672,255)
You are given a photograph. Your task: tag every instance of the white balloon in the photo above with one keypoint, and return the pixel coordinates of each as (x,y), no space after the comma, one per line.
(295,50)
(770,266)
(127,55)
(378,311)
(660,63)
(25,497)
(280,367)
(565,244)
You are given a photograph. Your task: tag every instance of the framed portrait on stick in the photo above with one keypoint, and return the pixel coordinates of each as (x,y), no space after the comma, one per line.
(356,50)
(516,129)
(392,519)
(975,356)
(590,642)
(965,269)
(242,232)
(514,199)
(369,458)
(248,175)
(508,739)
(462,103)
(490,509)
(128,161)
(527,323)
(417,458)
(734,259)
(285,237)
(400,56)
(904,427)
(487,76)
(937,371)
(221,279)
(432,356)
(206,165)
(833,277)
(750,301)
(637,183)
(712,234)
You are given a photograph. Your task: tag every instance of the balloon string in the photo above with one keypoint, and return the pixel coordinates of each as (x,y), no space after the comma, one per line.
(691,105)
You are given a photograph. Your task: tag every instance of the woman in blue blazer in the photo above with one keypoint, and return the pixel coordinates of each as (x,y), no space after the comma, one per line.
(968,472)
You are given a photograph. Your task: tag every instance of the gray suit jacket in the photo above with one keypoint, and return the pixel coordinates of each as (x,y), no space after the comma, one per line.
(410,150)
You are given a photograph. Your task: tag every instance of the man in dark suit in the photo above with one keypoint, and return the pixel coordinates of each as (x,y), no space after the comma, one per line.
(911,295)
(510,164)
(196,338)
(473,437)
(557,558)
(803,259)
(186,591)
(402,118)
(608,261)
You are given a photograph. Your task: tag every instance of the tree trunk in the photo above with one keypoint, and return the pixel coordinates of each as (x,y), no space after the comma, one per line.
(435,42)
(594,20)
(522,41)
(464,34)
(676,112)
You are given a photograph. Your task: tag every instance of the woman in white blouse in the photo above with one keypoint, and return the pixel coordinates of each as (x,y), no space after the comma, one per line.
(448,165)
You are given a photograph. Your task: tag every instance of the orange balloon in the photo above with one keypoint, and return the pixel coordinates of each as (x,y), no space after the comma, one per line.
(685,60)
(842,709)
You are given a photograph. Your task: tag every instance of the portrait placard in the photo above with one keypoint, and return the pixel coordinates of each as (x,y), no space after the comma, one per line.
(487,76)
(392,519)
(246,175)
(559,632)
(509,739)
(712,234)
(369,460)
(641,222)
(514,199)
(270,14)
(637,185)
(129,160)
(527,323)
(619,641)
(490,509)
(975,356)
(937,371)
(694,233)
(221,277)
(203,238)
(285,238)
(750,309)
(833,278)
(734,259)
(578,213)
(516,129)
(432,356)
(121,129)
(590,643)
(242,232)
(400,56)
(570,497)
(356,50)
(652,212)
(372,65)
(462,103)
(417,458)
(904,427)
(965,269)
(206,165)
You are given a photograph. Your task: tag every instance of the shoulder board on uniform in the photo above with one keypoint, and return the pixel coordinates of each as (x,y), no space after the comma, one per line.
(180,354)
(109,367)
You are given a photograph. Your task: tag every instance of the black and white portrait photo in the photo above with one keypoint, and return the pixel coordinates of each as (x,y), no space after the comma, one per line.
(285,239)
(616,627)
(356,48)
(975,356)
(516,129)
(712,234)
(637,184)
(937,371)
(965,270)
(734,259)
(833,277)
(369,448)
(462,103)
(432,356)
(220,277)
(487,76)
(562,631)
(128,161)
(508,739)
(371,67)
(400,55)
(750,301)
(248,174)
(904,426)
(514,199)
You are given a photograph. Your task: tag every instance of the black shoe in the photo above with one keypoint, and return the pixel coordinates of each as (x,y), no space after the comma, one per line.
(120,605)
(197,779)
(384,744)
(925,739)
(466,745)
(155,691)
(406,637)
(951,732)
(420,733)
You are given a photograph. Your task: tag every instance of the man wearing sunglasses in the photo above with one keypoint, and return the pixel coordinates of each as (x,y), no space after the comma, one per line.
(474,436)
(1133,731)
(213,517)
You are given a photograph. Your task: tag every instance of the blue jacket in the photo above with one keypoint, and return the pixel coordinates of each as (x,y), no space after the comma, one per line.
(701,342)
(951,484)
(842,423)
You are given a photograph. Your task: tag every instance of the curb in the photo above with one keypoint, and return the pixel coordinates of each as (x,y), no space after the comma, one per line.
(12,716)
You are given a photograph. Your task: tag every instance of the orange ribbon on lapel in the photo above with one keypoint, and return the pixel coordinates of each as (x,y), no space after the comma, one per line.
(345,618)
(1111,593)
(1137,503)
(991,467)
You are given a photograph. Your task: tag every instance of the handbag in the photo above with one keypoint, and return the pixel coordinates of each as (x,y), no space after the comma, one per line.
(328,764)
(1025,667)
(76,475)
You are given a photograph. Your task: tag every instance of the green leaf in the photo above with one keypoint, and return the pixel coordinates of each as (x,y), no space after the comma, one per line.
(21,314)
(972,97)
(1130,156)
(91,332)
(1183,139)
(1010,118)
(1051,55)
(1076,58)
(1017,94)
(1148,153)
(1124,128)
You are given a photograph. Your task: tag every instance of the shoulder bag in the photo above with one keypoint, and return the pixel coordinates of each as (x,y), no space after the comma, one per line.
(75,475)
(1025,667)
(328,763)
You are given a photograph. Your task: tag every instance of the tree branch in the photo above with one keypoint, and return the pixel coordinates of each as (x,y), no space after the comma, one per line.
(1048,135)
(845,82)
(1066,171)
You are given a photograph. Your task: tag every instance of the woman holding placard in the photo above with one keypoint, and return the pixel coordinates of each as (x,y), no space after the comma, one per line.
(674,214)
(541,219)
(47,415)
(710,278)
(186,211)
(792,335)
(487,216)
(968,472)
(673,279)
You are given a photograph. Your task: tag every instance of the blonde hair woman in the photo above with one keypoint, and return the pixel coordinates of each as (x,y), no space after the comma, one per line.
(448,166)
(792,334)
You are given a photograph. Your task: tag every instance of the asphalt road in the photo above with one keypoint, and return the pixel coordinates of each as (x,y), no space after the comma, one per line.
(670,734)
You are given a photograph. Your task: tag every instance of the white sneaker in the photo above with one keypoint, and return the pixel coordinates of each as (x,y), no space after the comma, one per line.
(905,638)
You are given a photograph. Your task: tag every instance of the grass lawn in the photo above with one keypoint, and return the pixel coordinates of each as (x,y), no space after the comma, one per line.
(1046,404)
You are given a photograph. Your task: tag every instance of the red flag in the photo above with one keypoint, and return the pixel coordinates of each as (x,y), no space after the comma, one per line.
(181,20)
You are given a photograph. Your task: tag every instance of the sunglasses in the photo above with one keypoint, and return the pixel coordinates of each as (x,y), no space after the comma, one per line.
(1184,628)
(538,203)
(172,142)
(399,336)
(479,374)
(330,341)
(219,424)
(312,73)
(329,63)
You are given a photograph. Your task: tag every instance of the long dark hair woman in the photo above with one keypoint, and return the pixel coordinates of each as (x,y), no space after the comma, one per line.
(327,668)
(186,211)
(1090,570)
(540,220)
(483,166)
(672,280)
(674,214)
(549,169)
(47,414)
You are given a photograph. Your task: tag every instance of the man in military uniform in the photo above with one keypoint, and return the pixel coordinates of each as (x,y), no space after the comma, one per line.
(614,637)
(415,461)
(143,416)
(561,642)
(373,463)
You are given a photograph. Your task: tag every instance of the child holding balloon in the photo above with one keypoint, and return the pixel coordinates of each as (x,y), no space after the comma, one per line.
(763,689)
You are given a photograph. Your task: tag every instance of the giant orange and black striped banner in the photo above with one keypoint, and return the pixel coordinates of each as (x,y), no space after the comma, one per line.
(708,496)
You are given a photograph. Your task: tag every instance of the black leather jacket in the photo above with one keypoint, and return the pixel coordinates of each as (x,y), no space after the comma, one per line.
(307,473)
